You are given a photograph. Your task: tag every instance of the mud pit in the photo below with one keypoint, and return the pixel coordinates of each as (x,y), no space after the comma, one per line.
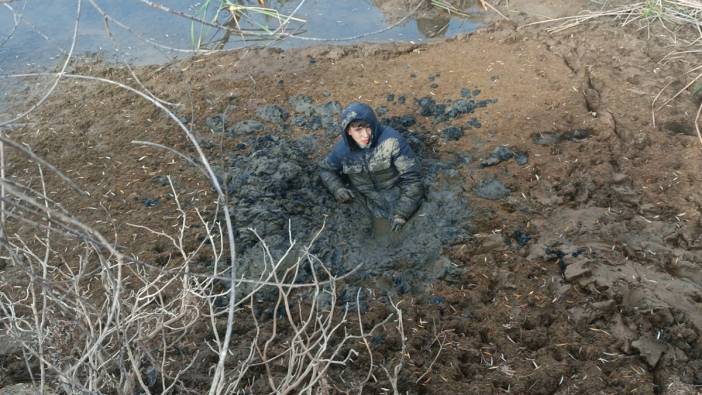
(559,247)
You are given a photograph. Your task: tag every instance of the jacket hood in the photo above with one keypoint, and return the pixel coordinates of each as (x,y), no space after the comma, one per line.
(359,112)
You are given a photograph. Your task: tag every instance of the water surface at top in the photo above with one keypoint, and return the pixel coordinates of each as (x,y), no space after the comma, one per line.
(39,33)
(36,36)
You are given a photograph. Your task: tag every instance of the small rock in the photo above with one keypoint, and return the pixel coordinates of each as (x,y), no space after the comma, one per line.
(151,202)
(465,92)
(151,376)
(650,349)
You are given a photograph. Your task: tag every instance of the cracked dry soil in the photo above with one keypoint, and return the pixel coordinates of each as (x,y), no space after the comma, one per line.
(558,252)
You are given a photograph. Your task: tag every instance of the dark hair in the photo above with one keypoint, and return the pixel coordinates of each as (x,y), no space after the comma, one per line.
(358,123)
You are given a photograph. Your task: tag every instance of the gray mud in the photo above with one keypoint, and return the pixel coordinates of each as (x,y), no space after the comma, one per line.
(276,188)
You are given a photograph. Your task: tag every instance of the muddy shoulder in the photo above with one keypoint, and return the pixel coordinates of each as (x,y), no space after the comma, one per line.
(558,249)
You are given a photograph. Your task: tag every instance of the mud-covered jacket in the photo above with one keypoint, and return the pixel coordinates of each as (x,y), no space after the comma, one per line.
(377,171)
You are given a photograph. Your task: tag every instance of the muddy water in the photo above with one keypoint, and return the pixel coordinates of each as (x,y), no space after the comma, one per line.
(37,36)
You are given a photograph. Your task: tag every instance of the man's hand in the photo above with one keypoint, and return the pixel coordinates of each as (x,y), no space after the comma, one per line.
(397,223)
(343,195)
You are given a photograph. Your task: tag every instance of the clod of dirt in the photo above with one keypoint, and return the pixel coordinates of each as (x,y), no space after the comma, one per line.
(247,126)
(650,349)
(473,123)
(444,112)
(401,123)
(272,113)
(679,127)
(576,270)
(381,111)
(302,104)
(216,123)
(452,133)
(500,154)
(492,189)
(314,117)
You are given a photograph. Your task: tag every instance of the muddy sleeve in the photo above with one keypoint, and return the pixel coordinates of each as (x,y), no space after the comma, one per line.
(410,181)
(329,172)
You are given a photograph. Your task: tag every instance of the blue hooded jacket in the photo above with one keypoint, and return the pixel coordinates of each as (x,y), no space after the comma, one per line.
(386,173)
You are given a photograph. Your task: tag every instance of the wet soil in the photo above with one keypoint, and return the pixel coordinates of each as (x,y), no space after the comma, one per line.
(560,245)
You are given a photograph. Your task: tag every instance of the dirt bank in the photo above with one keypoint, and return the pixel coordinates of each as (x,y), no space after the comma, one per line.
(559,249)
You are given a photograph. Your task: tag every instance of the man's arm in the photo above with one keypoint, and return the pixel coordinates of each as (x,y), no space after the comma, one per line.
(410,181)
(330,168)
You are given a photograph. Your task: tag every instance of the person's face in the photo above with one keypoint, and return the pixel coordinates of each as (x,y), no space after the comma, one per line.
(360,134)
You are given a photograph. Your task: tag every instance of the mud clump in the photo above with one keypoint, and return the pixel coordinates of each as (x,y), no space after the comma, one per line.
(272,113)
(311,117)
(491,189)
(452,133)
(216,123)
(444,112)
(503,153)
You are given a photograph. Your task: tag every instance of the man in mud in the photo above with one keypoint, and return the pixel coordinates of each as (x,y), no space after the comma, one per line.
(378,164)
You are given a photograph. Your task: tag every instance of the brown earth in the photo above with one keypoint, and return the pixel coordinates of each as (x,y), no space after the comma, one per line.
(611,196)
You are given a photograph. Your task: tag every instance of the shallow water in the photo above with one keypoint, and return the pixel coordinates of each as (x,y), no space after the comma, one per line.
(37,36)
